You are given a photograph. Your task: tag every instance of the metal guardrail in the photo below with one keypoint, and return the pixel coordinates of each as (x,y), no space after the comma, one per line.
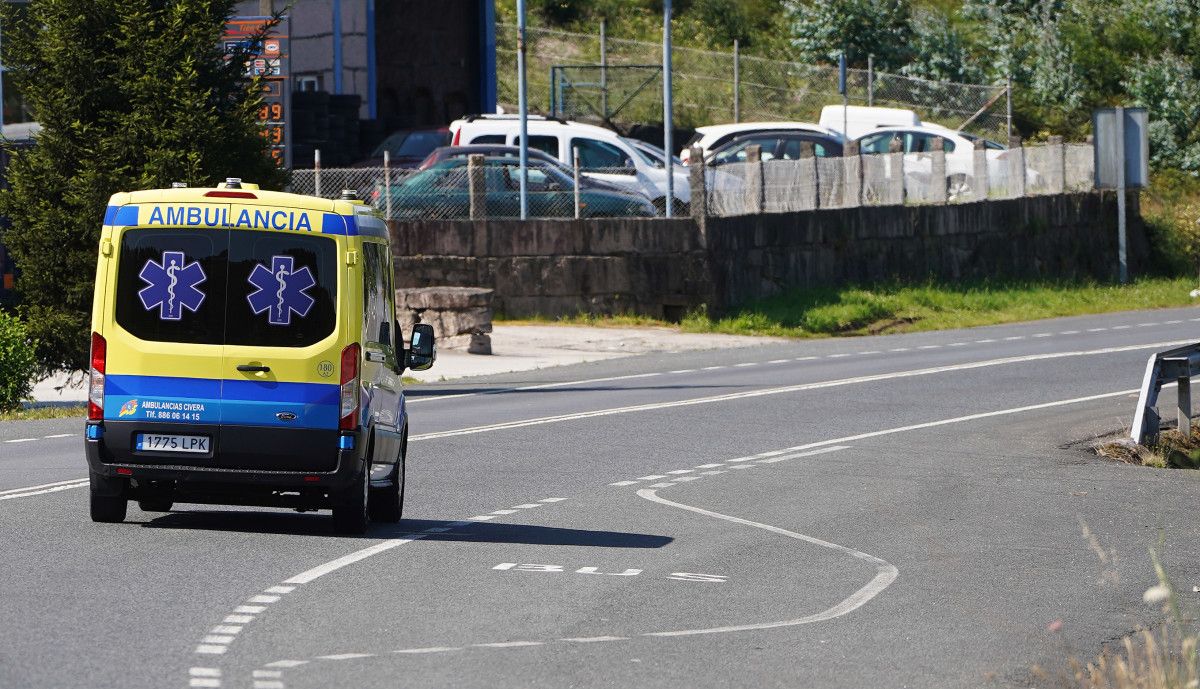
(1178,365)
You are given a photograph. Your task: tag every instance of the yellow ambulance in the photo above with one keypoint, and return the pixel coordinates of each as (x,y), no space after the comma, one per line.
(245,351)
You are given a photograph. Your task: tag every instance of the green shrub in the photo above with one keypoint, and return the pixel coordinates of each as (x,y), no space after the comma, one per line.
(17,362)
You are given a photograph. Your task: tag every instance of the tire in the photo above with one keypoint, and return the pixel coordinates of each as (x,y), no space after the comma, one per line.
(155,505)
(386,504)
(350,516)
(107,501)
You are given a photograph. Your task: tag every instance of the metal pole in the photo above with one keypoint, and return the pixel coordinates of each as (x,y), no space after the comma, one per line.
(737,81)
(372,93)
(387,183)
(603,70)
(668,106)
(337,46)
(575,150)
(523,108)
(870,80)
(1008,105)
(1121,256)
(1184,407)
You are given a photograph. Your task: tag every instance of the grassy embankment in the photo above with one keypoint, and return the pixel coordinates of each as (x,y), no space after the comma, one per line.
(46,412)
(900,308)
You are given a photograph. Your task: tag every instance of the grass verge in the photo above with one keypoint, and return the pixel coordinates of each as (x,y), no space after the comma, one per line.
(898,308)
(1171,450)
(45,412)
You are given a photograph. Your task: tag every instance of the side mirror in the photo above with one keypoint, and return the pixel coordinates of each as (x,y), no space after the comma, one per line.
(421,352)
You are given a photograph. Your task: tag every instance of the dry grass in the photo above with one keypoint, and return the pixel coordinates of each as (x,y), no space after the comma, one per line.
(1170,450)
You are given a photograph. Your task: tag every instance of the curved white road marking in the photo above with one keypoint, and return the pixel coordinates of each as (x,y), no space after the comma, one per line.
(885,573)
(763,392)
(43,489)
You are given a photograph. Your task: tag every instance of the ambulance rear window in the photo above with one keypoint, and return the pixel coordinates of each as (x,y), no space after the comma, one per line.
(239,287)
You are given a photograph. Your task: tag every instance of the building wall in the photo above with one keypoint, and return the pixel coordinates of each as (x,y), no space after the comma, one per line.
(312,42)
(662,268)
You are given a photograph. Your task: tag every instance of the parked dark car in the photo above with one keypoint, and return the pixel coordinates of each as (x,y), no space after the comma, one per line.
(448,152)
(442,191)
(778,145)
(407,147)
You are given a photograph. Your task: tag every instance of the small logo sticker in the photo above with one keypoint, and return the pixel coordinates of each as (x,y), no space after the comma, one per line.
(280,290)
(128,409)
(325,369)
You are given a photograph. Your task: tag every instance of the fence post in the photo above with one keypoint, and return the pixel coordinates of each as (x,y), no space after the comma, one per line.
(870,80)
(811,192)
(1016,167)
(475,186)
(737,82)
(937,172)
(895,168)
(852,160)
(317,172)
(754,179)
(387,184)
(1056,180)
(1008,104)
(699,186)
(575,172)
(979,172)
(603,72)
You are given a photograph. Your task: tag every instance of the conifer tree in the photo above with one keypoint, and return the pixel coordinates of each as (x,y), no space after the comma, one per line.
(130,94)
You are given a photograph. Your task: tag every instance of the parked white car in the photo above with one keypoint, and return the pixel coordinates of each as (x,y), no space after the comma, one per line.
(603,154)
(710,137)
(959,148)
(854,121)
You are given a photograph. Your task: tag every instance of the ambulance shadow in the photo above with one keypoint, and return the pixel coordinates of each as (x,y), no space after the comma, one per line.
(321,525)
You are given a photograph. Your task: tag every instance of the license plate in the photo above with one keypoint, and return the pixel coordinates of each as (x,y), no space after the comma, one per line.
(158,442)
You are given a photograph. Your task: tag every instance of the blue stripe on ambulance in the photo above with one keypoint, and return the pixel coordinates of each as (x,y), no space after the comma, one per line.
(126,216)
(234,402)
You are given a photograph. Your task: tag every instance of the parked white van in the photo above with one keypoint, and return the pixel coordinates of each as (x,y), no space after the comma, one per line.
(603,154)
(855,120)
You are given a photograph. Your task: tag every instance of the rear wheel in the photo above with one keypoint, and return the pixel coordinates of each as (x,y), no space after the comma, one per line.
(386,503)
(107,501)
(350,511)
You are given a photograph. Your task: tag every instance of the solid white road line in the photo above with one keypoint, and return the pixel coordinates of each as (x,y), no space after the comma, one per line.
(27,492)
(44,485)
(885,573)
(546,386)
(334,565)
(792,388)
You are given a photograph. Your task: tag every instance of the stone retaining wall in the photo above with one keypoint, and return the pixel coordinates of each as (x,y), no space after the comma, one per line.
(663,268)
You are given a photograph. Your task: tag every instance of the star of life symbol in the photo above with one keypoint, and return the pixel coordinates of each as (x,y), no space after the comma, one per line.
(281,290)
(172,285)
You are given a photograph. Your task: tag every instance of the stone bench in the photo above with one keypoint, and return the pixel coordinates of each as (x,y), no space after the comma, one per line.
(460,316)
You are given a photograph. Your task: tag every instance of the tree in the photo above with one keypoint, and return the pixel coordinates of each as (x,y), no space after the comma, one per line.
(131,94)
(821,29)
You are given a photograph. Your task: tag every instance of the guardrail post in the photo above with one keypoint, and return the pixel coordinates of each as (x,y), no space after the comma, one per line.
(1056,176)
(1016,167)
(979,172)
(475,186)
(1184,406)
(852,160)
(809,184)
(754,180)
(937,172)
(698,179)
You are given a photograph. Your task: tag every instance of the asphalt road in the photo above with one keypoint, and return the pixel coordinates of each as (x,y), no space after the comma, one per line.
(902,511)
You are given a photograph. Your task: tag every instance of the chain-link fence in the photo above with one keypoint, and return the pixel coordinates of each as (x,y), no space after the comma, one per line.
(577,75)
(892,179)
(462,191)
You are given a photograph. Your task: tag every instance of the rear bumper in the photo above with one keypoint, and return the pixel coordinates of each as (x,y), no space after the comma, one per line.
(269,458)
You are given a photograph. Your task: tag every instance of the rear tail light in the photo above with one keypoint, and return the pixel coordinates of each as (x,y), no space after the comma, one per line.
(457,136)
(685,155)
(96,378)
(349,411)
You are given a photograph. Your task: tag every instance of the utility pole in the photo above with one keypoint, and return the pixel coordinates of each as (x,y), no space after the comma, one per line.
(523,110)
(667,108)
(266,8)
